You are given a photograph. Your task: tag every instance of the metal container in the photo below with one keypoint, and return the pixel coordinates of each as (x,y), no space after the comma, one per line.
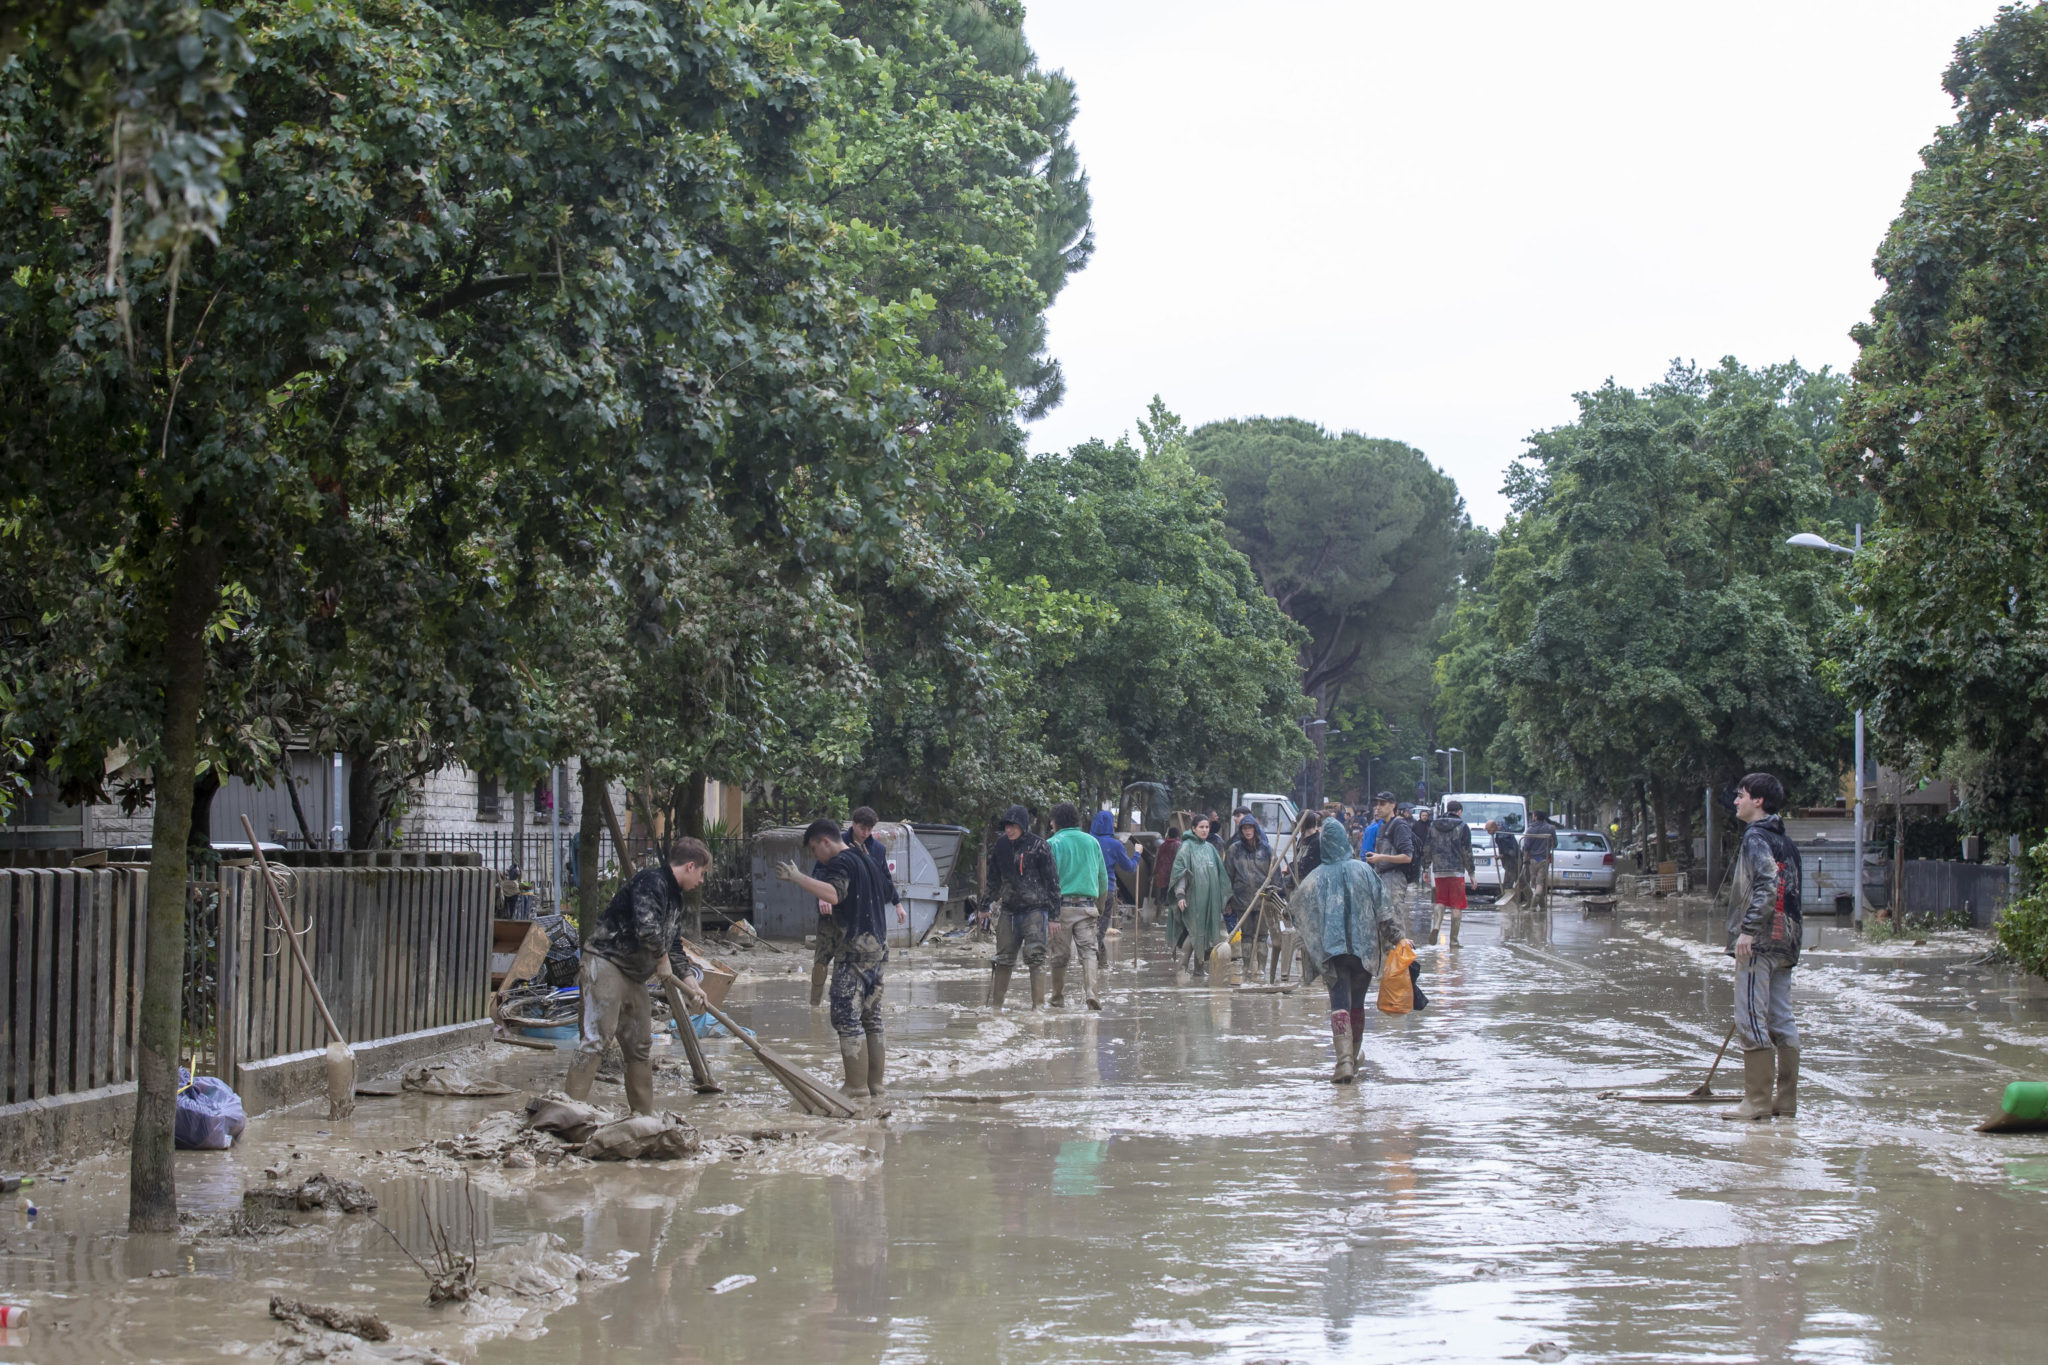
(921,859)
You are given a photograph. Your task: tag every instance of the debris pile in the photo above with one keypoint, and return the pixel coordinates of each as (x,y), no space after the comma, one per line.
(317,1191)
(554,1130)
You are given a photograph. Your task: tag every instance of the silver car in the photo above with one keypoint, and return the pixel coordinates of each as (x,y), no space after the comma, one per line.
(1583,862)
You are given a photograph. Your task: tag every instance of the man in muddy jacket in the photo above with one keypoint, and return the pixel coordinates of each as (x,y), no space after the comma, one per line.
(629,948)
(1084,878)
(1024,883)
(1763,937)
(1396,857)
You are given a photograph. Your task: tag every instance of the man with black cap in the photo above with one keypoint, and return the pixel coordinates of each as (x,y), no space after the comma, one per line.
(1024,883)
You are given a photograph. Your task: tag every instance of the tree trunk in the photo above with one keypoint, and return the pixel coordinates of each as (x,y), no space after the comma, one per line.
(690,805)
(1648,829)
(588,846)
(152,1188)
(1685,823)
(1662,814)
(291,787)
(364,814)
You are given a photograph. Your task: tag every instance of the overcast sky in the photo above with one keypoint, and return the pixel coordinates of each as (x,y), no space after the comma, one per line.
(1437,223)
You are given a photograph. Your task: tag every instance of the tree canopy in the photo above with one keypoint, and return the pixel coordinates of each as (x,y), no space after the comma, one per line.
(1945,427)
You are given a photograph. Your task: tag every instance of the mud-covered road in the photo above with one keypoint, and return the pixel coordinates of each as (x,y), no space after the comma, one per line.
(1176,1179)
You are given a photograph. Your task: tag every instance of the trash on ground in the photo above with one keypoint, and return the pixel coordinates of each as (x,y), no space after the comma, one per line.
(643,1137)
(210,1115)
(441,1078)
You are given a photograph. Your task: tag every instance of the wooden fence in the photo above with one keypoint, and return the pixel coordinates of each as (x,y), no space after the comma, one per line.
(70,979)
(395,950)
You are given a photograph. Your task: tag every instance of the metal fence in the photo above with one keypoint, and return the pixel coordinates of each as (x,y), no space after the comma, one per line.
(1940,888)
(70,978)
(394,950)
(529,856)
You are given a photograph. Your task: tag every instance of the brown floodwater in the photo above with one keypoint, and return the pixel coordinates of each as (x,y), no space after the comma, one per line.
(1176,1179)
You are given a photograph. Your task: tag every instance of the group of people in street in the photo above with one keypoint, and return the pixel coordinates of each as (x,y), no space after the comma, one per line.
(1347,902)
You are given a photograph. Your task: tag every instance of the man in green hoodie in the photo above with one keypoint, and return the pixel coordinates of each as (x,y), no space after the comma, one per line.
(1083,880)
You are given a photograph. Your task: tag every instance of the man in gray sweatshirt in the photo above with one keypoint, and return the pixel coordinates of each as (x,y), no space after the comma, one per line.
(1763,938)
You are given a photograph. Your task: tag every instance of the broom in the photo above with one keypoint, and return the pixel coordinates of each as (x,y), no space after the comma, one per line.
(811,1095)
(341,1062)
(701,1078)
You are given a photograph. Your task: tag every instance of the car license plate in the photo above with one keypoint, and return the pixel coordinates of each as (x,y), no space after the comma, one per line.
(1578,874)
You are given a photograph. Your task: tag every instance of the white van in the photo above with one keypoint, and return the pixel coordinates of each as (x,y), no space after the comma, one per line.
(1479,807)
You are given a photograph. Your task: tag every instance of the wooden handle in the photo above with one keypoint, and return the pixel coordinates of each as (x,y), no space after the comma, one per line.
(291,935)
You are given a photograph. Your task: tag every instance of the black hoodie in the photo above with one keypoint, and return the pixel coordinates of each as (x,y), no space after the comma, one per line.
(1021,872)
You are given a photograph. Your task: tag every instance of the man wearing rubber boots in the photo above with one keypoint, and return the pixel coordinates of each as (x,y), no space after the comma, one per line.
(1024,882)
(846,879)
(860,833)
(1763,937)
(630,947)
(1084,877)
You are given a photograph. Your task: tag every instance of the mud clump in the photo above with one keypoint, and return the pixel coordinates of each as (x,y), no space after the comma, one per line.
(368,1326)
(317,1191)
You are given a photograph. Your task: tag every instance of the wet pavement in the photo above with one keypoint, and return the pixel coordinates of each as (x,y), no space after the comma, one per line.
(1176,1179)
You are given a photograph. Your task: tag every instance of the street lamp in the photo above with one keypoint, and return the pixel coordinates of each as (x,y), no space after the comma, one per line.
(1418,758)
(1449,781)
(1807,540)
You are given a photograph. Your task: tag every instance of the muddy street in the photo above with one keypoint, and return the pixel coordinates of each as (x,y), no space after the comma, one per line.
(1177,1179)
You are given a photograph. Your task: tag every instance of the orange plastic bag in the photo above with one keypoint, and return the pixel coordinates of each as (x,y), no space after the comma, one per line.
(1397,992)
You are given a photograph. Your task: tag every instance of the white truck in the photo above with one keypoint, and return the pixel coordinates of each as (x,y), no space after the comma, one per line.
(1276,815)
(1479,807)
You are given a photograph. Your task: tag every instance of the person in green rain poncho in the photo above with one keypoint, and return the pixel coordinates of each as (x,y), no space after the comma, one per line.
(1346,923)
(1196,893)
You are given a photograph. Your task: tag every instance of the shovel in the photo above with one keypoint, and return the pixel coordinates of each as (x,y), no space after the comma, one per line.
(700,1070)
(811,1095)
(341,1062)
(1703,1094)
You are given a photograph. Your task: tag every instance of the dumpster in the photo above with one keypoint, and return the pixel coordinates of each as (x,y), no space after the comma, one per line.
(921,859)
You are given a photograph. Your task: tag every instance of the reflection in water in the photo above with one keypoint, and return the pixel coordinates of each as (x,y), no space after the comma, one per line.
(1176,1179)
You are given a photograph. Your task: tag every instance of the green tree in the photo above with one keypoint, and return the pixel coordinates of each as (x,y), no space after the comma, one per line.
(1354,537)
(1643,620)
(1944,428)
(1182,669)
(501,290)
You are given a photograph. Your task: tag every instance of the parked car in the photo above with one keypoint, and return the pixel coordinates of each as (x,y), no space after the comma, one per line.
(1583,861)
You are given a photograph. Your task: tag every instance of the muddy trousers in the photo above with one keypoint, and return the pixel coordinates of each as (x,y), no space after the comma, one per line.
(1020,933)
(1074,942)
(613,1005)
(831,939)
(1763,1004)
(857,1019)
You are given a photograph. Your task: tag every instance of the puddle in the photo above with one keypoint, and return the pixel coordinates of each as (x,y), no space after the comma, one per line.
(1174,1178)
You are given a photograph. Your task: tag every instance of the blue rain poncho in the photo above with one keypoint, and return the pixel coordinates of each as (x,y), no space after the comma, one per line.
(1115,857)
(1342,906)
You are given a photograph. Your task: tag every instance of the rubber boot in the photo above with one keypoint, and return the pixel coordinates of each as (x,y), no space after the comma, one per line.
(818,974)
(998,987)
(640,1087)
(1091,989)
(1340,1040)
(875,1059)
(1758,1064)
(1037,989)
(853,1053)
(1357,1036)
(1456,920)
(582,1075)
(1787,1102)
(1059,987)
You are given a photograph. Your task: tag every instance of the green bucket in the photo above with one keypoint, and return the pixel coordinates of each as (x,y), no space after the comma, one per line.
(2026,1100)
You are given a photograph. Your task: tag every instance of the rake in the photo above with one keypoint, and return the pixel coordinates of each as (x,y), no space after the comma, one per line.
(811,1095)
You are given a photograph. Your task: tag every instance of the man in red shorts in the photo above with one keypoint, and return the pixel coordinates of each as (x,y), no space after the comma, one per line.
(1450,863)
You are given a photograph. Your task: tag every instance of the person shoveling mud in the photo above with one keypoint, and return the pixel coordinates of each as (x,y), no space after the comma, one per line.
(846,880)
(630,947)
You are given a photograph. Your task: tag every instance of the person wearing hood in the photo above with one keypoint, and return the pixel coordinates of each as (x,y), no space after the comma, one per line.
(1083,880)
(1196,891)
(1347,922)
(1249,864)
(1115,857)
(1024,883)
(1764,929)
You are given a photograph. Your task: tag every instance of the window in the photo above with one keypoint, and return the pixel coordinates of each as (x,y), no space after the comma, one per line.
(1509,813)
(487,796)
(1581,843)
